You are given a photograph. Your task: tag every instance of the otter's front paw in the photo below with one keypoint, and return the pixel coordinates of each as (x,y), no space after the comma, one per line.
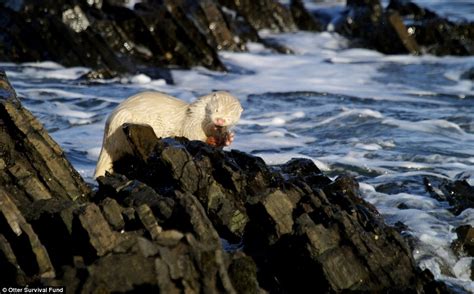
(229,138)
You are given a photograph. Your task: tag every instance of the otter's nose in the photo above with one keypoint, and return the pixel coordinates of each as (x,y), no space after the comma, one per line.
(220,122)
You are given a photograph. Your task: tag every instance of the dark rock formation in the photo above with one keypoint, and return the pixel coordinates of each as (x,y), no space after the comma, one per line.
(458,193)
(464,245)
(32,165)
(460,196)
(114,39)
(263,14)
(94,248)
(404,27)
(370,26)
(158,227)
(407,8)
(107,37)
(303,18)
(303,230)
(436,35)
(52,234)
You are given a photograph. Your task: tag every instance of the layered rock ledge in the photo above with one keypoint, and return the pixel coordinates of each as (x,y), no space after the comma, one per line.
(152,36)
(181,216)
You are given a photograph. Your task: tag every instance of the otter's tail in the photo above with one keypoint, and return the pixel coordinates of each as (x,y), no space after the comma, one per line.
(103,164)
(114,143)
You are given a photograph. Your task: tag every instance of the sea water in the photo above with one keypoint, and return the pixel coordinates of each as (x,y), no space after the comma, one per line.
(389,121)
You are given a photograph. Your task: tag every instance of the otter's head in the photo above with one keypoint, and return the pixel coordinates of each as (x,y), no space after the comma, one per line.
(223,109)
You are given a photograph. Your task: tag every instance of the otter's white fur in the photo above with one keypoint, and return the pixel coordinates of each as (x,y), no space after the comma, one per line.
(169,117)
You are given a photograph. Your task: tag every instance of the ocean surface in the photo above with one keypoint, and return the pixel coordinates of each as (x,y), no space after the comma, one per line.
(389,121)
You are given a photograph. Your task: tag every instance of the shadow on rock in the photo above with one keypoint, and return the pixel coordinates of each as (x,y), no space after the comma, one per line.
(300,228)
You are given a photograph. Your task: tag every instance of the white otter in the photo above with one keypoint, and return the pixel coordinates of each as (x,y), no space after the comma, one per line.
(207,119)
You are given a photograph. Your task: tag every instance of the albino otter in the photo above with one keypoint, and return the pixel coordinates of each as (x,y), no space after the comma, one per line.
(207,119)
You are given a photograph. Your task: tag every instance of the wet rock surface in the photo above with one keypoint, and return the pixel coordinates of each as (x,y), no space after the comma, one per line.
(458,193)
(158,224)
(126,237)
(299,227)
(403,27)
(263,14)
(464,245)
(32,166)
(369,25)
(304,19)
(113,38)
(460,196)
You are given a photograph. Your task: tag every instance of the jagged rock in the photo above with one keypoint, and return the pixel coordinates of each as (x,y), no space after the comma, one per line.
(368,25)
(52,233)
(208,17)
(263,14)
(99,234)
(436,34)
(218,195)
(113,213)
(113,39)
(303,18)
(159,226)
(405,37)
(440,36)
(174,34)
(458,193)
(20,227)
(301,228)
(408,8)
(65,243)
(105,37)
(243,273)
(32,166)
(464,244)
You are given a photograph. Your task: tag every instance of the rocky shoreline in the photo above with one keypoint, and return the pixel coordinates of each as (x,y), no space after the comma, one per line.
(160,222)
(153,36)
(182,216)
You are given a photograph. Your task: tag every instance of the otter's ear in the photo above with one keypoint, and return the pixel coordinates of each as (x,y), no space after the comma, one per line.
(214,97)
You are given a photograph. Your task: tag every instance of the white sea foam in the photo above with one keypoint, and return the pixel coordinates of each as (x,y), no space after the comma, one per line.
(140,79)
(316,67)
(44,93)
(462,268)
(368,147)
(350,112)
(59,73)
(430,126)
(269,141)
(44,65)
